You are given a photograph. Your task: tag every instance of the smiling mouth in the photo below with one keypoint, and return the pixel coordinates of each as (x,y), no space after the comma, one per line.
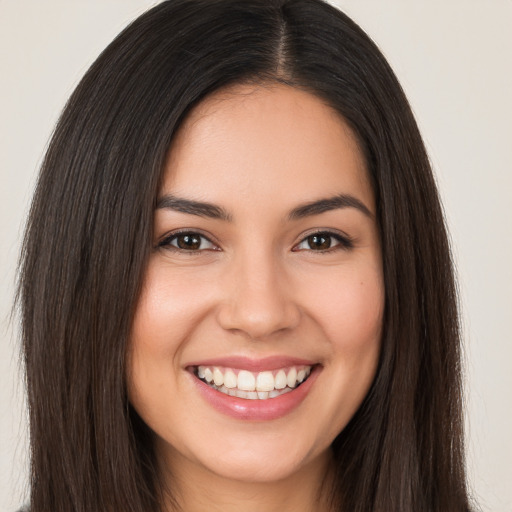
(253,385)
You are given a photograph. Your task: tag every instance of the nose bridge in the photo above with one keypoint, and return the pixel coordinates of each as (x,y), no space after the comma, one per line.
(259,302)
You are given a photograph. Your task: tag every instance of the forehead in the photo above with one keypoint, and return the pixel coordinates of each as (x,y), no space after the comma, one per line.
(249,143)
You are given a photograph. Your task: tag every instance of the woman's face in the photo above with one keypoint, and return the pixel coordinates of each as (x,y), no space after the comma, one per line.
(266,277)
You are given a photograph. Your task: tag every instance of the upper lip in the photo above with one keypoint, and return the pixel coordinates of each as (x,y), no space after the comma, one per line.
(253,364)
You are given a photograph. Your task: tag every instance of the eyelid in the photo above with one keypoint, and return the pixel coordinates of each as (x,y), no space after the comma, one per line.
(345,241)
(164,241)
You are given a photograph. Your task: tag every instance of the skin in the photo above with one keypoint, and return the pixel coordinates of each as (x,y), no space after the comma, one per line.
(258,289)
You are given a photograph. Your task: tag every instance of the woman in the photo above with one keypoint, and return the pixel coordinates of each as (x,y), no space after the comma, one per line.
(236,286)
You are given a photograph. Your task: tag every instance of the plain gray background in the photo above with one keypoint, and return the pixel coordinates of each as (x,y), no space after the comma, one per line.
(453,58)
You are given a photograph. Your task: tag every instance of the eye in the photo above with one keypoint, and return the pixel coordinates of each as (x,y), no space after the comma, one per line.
(324,241)
(188,241)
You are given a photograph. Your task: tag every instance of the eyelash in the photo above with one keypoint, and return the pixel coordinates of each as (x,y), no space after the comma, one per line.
(166,242)
(344,242)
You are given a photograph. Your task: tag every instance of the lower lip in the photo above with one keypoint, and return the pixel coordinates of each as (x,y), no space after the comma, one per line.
(257,410)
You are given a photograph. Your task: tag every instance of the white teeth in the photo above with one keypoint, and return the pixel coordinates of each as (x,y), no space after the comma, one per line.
(278,392)
(291,379)
(265,381)
(251,395)
(246,381)
(253,386)
(208,375)
(230,380)
(218,377)
(280,380)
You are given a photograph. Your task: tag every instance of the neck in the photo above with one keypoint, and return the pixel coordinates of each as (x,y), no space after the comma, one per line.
(197,489)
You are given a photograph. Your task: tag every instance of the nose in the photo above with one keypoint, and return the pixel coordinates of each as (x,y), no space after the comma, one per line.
(258,299)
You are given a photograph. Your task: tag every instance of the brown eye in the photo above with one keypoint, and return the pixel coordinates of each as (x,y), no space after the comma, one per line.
(324,241)
(190,242)
(319,242)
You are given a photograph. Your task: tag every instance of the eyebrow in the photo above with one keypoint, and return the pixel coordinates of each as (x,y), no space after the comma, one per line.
(212,211)
(328,204)
(202,209)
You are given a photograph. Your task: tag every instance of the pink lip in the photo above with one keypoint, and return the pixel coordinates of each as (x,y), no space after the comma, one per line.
(254,365)
(256,410)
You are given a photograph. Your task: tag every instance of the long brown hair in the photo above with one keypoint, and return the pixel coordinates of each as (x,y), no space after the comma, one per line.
(88,238)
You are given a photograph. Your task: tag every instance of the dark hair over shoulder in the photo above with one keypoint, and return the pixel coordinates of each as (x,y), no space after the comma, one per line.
(89,234)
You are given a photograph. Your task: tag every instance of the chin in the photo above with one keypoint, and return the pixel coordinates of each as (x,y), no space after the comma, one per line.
(256,466)
(253,455)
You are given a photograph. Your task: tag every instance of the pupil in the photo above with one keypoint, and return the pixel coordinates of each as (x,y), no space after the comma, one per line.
(321,242)
(189,242)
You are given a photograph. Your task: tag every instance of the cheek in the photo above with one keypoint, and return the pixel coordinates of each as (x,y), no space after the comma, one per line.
(166,312)
(349,307)
(170,306)
(349,312)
